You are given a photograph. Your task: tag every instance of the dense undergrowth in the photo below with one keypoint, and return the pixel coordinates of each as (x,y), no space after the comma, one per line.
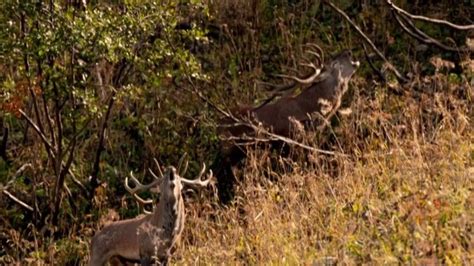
(398,191)
(402,194)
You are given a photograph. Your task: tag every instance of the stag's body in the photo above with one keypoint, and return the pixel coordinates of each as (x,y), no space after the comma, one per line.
(141,237)
(322,98)
(149,238)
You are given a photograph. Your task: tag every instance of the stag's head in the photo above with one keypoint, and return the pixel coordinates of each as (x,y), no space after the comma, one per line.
(168,184)
(171,186)
(342,65)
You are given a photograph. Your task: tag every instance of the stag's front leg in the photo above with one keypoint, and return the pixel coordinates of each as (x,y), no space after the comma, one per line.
(146,261)
(163,261)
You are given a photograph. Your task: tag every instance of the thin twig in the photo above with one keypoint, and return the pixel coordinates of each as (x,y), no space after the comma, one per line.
(17,200)
(427,19)
(49,147)
(371,64)
(361,33)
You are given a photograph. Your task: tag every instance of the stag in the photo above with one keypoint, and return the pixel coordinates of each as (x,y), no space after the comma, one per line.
(321,98)
(149,238)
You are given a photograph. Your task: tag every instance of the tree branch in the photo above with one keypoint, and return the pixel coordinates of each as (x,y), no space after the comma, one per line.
(49,147)
(423,37)
(18,201)
(427,19)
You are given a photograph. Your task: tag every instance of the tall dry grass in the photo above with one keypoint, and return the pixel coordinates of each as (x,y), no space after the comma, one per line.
(403,191)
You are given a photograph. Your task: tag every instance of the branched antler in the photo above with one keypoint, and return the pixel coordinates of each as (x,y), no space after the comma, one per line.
(318,53)
(197,182)
(138,186)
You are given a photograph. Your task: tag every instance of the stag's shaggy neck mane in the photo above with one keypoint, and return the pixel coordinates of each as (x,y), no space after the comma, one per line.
(170,216)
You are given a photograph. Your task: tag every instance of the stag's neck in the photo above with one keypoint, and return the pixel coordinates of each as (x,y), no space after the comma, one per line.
(324,89)
(169,216)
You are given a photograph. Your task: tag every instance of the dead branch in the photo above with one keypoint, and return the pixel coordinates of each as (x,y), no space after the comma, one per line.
(421,36)
(17,200)
(371,64)
(427,19)
(10,182)
(49,147)
(399,76)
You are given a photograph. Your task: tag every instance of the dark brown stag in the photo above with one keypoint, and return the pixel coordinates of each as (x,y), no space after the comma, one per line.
(321,98)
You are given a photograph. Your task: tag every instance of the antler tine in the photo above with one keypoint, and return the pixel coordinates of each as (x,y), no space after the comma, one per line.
(308,80)
(153,174)
(198,181)
(158,166)
(180,164)
(142,201)
(138,186)
(319,54)
(316,55)
(311,65)
(159,170)
(185,168)
(317,70)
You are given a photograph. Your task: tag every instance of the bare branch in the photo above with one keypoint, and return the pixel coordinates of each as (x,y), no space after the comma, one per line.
(376,70)
(423,37)
(427,19)
(100,146)
(15,199)
(48,119)
(4,188)
(48,145)
(3,144)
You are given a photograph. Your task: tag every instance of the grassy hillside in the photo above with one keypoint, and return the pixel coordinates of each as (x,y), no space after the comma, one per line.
(401,193)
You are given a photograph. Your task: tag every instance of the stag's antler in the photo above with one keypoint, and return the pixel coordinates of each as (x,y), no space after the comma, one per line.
(197,182)
(159,170)
(318,53)
(180,165)
(138,186)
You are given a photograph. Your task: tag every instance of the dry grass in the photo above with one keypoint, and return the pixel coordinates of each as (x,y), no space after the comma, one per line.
(404,194)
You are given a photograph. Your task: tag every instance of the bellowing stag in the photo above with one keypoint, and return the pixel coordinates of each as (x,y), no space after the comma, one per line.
(325,88)
(149,238)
